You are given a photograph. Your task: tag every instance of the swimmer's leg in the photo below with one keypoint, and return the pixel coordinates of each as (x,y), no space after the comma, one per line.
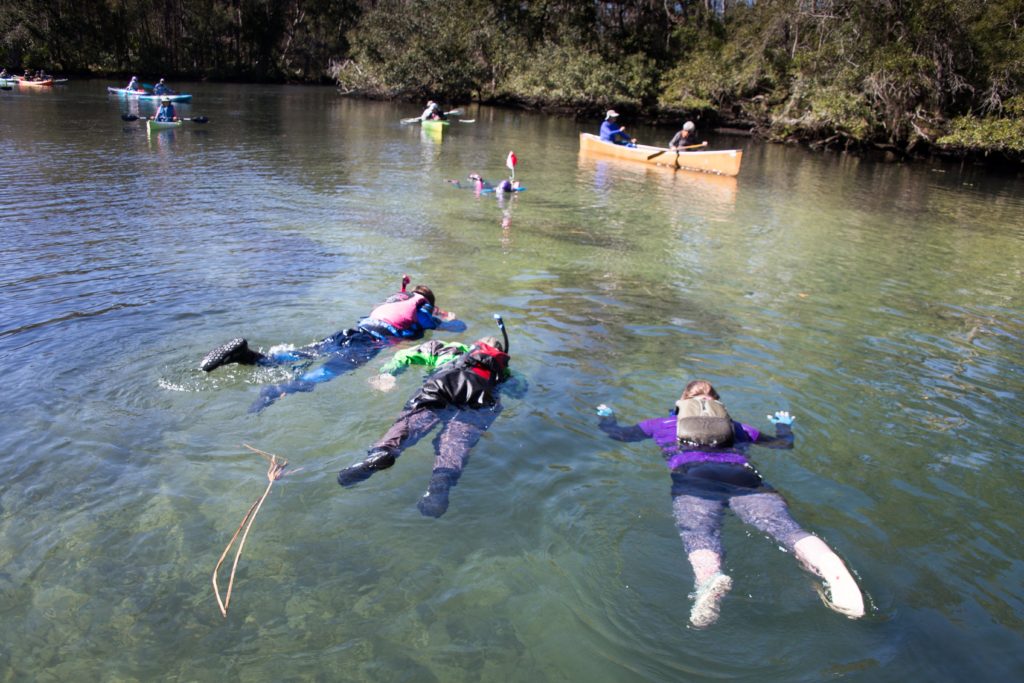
(452,447)
(235,351)
(349,357)
(699,521)
(844,595)
(769,513)
(410,427)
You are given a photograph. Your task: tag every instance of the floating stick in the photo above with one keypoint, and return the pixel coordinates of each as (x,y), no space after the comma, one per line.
(274,472)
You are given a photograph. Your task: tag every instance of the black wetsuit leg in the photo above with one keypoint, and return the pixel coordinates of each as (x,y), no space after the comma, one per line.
(452,447)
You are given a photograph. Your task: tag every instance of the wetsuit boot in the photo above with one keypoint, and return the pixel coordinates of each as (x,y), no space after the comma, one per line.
(235,351)
(434,502)
(378,459)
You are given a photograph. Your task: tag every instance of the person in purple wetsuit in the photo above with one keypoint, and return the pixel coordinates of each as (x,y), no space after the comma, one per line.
(710,472)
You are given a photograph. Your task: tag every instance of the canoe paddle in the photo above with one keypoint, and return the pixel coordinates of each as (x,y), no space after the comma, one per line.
(658,154)
(194,119)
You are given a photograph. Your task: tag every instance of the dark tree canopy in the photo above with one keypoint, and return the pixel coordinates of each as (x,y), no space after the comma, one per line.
(899,74)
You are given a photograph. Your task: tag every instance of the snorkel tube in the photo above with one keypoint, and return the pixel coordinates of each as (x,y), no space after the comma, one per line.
(501,326)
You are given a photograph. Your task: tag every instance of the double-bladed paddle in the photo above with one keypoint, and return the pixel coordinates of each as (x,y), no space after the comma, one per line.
(193,119)
(414,119)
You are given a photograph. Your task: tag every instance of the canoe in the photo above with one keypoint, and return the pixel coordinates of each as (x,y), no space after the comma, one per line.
(722,162)
(147,96)
(48,83)
(152,125)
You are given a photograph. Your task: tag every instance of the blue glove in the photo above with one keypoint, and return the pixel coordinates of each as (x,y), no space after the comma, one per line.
(781,417)
(605,411)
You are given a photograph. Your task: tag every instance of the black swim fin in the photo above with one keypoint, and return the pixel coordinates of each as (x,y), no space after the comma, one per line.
(235,351)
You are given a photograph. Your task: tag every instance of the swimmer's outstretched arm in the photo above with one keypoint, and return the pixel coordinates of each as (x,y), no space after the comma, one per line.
(609,425)
(429,354)
(783,431)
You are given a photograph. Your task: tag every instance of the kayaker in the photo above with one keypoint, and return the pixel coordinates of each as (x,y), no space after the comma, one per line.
(432,112)
(166,111)
(462,394)
(133,85)
(161,88)
(705,451)
(404,315)
(611,131)
(4,74)
(686,137)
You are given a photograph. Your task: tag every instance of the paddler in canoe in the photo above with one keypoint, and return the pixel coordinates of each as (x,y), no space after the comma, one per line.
(166,112)
(685,139)
(611,131)
(404,315)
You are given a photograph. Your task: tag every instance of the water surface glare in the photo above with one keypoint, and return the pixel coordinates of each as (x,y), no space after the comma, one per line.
(881,304)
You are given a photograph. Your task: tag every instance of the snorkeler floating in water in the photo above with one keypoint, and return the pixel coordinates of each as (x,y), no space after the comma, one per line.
(481,186)
(705,451)
(462,394)
(405,315)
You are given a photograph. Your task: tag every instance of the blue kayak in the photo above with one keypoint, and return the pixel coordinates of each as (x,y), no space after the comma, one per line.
(148,96)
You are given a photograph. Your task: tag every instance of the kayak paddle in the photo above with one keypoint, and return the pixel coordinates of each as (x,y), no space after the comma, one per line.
(194,119)
(453,112)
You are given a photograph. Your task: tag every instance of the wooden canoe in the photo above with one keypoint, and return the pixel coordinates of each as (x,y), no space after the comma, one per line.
(722,162)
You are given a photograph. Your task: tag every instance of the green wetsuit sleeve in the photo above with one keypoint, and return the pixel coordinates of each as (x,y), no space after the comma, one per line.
(431,354)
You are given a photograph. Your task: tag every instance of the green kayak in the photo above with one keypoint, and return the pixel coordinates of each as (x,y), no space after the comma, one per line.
(152,125)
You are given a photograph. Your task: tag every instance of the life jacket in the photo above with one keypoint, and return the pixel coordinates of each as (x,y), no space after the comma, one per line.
(451,385)
(400,313)
(487,361)
(703,422)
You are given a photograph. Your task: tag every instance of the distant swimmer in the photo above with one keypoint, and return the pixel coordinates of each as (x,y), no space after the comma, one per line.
(705,452)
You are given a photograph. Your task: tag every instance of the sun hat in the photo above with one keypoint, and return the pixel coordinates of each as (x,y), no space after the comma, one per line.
(611,114)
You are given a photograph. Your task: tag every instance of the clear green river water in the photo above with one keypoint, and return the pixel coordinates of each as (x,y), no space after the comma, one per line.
(880,304)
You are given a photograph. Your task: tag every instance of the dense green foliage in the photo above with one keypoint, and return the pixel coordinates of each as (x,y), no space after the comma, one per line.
(896,74)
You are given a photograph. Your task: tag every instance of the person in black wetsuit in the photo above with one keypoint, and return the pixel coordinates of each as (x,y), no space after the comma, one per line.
(405,315)
(463,395)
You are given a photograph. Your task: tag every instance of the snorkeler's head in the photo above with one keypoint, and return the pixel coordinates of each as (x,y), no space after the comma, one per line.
(425,292)
(491,341)
(699,387)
